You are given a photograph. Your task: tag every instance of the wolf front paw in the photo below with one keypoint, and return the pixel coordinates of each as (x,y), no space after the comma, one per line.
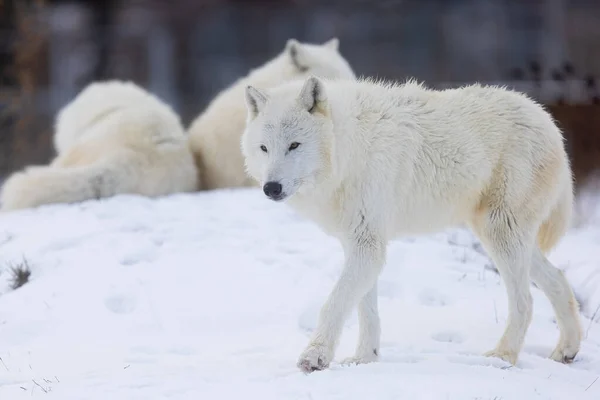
(316,357)
(362,359)
(506,355)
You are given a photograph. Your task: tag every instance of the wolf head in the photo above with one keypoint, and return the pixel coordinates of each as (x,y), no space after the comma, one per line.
(287,140)
(319,60)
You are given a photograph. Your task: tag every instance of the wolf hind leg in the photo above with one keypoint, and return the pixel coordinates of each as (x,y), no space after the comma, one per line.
(511,248)
(555,286)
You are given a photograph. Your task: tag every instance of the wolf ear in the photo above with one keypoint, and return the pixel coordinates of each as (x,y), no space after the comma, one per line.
(255,100)
(312,95)
(332,44)
(295,50)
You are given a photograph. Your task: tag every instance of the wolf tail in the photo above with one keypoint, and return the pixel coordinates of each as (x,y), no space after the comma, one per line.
(39,185)
(557,223)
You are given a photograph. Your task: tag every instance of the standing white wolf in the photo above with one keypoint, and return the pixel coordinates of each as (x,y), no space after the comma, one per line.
(370,161)
(113,138)
(215,134)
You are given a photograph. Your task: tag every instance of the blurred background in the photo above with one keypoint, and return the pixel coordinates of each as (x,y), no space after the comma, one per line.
(185,51)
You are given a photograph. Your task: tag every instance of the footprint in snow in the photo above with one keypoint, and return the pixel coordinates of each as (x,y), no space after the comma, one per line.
(479,360)
(120,303)
(433,298)
(448,337)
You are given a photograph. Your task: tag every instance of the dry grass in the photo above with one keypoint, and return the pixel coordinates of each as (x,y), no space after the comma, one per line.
(20,274)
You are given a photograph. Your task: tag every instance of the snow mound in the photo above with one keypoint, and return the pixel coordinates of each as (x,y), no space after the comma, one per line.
(214,295)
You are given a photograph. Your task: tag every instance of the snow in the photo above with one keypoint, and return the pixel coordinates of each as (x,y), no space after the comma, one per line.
(582,270)
(214,295)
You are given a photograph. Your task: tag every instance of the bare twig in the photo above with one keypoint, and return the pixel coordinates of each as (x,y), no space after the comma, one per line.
(40,386)
(495,312)
(2,361)
(592,320)
(592,384)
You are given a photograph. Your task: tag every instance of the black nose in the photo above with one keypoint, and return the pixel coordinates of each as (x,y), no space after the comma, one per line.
(272,189)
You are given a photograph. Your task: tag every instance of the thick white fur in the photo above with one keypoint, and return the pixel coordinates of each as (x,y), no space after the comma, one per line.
(113,138)
(215,134)
(377,161)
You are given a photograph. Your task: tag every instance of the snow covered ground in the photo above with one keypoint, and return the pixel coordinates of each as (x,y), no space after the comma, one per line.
(213,296)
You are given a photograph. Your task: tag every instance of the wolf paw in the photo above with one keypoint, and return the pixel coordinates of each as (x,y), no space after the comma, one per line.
(371,356)
(506,355)
(316,357)
(564,354)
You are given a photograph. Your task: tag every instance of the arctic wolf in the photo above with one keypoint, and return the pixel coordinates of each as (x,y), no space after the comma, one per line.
(370,161)
(113,138)
(215,134)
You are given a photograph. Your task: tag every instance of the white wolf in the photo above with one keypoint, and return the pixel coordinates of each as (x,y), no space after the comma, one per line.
(370,161)
(113,138)
(215,134)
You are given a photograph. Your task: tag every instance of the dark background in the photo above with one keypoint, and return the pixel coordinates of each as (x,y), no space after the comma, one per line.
(185,51)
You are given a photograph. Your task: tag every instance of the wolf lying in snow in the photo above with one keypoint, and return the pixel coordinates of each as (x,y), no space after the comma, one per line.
(113,138)
(370,162)
(215,134)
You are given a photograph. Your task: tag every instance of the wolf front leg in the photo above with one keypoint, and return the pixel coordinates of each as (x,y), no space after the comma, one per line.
(365,257)
(367,349)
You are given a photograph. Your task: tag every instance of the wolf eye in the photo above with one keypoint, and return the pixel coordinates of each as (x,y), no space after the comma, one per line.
(294,146)
(263,148)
